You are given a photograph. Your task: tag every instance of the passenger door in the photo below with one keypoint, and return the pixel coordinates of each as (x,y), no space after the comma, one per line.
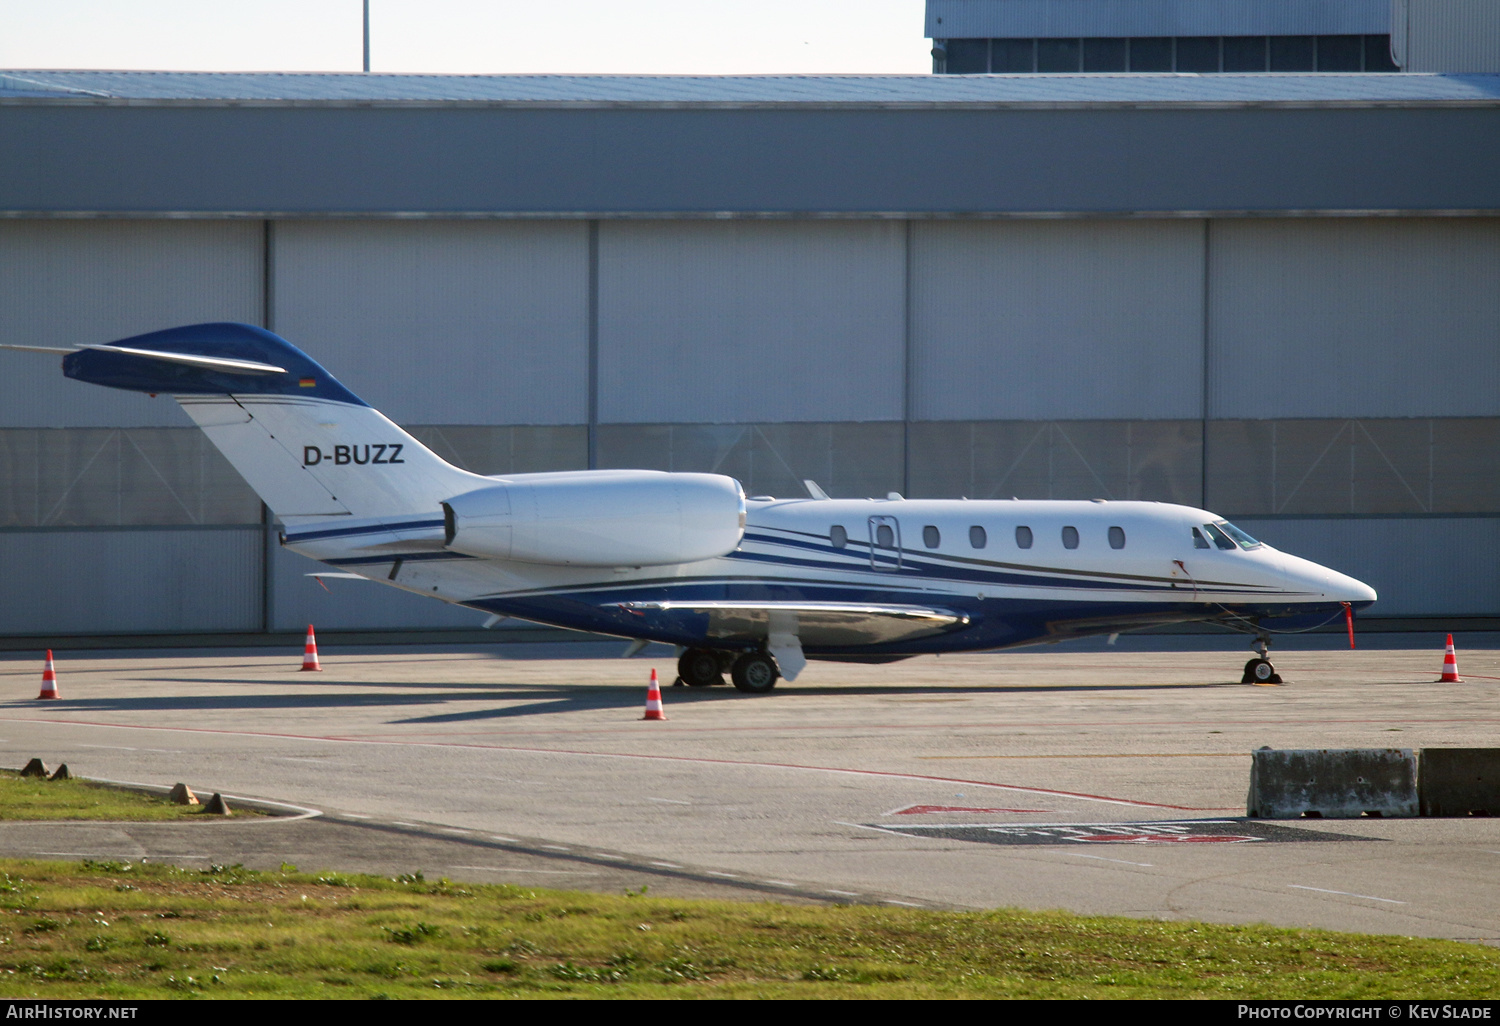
(885,543)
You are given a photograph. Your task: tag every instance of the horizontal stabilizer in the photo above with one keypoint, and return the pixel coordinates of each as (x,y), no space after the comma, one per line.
(218,363)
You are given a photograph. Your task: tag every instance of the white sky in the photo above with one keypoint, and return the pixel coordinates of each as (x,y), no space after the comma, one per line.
(470,36)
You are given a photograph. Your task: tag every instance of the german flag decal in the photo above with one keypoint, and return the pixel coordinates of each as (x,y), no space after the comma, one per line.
(307,383)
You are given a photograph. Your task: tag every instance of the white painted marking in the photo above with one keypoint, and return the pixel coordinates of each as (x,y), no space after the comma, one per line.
(727,876)
(878,829)
(114,855)
(397,822)
(846,894)
(907,904)
(668,865)
(507,840)
(1101,858)
(457,830)
(355,815)
(556,847)
(612,858)
(669,801)
(1347,894)
(545,872)
(112,748)
(320,759)
(779,883)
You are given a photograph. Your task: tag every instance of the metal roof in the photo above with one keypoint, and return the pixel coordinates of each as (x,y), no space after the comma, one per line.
(739,91)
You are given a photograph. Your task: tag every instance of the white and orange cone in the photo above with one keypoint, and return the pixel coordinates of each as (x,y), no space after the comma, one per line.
(653,700)
(49,679)
(310,651)
(1450,666)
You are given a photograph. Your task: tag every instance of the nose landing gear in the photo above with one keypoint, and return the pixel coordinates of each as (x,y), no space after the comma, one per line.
(1259,670)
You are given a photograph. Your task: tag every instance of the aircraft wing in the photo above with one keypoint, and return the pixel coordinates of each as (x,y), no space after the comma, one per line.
(816,624)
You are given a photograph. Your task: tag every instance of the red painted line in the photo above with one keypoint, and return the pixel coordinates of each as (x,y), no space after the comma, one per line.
(923,810)
(1077,795)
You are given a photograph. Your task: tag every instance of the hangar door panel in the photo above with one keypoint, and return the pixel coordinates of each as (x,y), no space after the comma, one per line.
(1355,317)
(69,283)
(1057,320)
(750,321)
(442,322)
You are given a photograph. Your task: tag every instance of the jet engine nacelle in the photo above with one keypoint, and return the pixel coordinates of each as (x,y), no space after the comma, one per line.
(599,518)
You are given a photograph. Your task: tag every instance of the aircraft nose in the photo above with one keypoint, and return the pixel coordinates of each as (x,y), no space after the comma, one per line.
(1311,578)
(1344,588)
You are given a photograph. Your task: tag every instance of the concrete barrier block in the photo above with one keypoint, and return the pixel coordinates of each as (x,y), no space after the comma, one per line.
(1459,781)
(1332,783)
(34,768)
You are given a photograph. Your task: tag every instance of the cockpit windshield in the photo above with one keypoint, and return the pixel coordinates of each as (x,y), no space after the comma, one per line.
(1242,539)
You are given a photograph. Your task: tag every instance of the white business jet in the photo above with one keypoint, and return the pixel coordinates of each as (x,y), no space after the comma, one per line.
(753,587)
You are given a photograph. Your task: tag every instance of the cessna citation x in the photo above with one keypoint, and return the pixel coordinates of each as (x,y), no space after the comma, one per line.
(754,587)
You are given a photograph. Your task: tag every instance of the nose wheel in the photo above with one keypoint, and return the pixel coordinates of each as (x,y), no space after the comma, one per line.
(1260,670)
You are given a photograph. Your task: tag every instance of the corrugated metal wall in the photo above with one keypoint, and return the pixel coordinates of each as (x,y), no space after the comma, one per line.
(1354,317)
(504,303)
(1446,35)
(1351,369)
(751,321)
(130,581)
(68,283)
(1052,320)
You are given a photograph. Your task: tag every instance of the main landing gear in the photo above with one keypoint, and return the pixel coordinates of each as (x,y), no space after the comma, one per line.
(700,668)
(752,672)
(1259,670)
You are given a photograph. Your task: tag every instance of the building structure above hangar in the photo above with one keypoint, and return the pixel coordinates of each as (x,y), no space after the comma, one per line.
(278,145)
(1198,36)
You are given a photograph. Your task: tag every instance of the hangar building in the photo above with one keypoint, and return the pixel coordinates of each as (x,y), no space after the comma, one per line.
(1273,295)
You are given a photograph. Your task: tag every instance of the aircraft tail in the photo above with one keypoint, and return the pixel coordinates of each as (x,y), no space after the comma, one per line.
(308,446)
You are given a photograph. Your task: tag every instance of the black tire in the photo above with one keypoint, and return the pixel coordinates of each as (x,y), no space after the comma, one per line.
(699,668)
(755,673)
(1260,671)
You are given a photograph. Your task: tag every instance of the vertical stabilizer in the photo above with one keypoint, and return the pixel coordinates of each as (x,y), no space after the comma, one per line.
(308,446)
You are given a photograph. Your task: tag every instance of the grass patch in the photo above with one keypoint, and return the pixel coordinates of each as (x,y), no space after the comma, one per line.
(121,930)
(36,799)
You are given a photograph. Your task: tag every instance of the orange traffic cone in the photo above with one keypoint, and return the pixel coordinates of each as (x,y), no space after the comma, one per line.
(49,679)
(653,700)
(310,652)
(1450,666)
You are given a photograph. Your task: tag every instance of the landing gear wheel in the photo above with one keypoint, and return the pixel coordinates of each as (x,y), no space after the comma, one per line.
(755,673)
(1260,671)
(699,668)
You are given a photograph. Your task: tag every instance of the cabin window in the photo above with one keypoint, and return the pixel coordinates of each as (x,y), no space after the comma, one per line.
(885,538)
(840,537)
(1070,537)
(1199,542)
(1023,537)
(1117,537)
(930,537)
(977,537)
